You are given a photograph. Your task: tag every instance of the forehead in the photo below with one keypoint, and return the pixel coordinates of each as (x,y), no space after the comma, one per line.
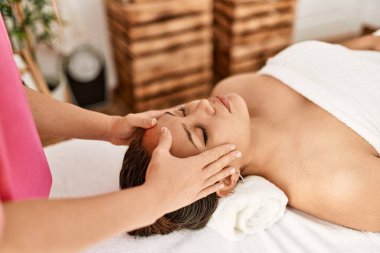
(181,146)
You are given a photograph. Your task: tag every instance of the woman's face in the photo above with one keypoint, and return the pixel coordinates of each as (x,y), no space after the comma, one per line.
(202,124)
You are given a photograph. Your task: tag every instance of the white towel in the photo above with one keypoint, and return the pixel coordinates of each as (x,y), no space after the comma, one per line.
(255,205)
(343,82)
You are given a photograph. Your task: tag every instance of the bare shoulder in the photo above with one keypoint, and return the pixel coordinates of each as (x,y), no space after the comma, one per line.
(350,197)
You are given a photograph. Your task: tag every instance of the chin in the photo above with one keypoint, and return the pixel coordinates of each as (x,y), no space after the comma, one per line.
(238,103)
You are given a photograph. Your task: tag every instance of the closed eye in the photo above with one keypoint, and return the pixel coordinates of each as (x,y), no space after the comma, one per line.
(188,134)
(204,132)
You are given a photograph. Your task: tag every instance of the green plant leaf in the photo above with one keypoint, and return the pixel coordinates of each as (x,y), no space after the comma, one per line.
(37,17)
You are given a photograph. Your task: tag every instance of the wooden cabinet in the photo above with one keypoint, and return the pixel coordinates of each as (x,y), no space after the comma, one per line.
(162,50)
(248,32)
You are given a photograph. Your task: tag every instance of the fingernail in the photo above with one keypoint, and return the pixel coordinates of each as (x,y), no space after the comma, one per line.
(232,147)
(221,186)
(232,171)
(153,122)
(164,130)
(238,154)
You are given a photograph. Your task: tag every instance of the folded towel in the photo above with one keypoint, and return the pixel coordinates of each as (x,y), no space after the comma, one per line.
(255,205)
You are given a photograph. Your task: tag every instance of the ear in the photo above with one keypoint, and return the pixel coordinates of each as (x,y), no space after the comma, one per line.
(229,185)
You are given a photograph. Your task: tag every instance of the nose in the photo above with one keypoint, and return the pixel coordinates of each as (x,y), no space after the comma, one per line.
(204,106)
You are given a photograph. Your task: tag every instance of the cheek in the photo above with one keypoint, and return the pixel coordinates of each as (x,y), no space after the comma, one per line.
(229,131)
(234,133)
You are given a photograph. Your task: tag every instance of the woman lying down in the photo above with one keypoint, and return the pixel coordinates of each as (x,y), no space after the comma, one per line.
(309,122)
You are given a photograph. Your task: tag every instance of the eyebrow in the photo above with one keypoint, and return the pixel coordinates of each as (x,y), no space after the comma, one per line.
(188,134)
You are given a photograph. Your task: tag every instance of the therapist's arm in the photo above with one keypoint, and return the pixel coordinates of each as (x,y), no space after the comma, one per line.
(70,225)
(56,118)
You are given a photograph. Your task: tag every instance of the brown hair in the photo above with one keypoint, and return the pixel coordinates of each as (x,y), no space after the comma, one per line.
(194,216)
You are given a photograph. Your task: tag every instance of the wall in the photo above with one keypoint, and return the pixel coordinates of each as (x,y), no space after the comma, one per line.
(326,19)
(85,22)
(316,19)
(371,14)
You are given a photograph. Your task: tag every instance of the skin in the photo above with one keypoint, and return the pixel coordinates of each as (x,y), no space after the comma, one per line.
(212,115)
(72,224)
(325,168)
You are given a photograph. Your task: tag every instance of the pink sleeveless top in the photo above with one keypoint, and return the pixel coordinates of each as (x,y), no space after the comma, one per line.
(24,172)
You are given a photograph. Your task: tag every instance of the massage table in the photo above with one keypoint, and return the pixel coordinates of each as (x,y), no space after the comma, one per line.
(83,168)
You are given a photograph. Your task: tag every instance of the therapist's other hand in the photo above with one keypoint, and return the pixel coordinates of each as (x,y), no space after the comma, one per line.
(176,189)
(122,128)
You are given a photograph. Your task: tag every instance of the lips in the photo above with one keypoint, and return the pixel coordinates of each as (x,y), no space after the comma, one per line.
(225,102)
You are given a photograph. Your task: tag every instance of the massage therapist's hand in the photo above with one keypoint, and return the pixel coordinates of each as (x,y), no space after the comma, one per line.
(178,182)
(122,128)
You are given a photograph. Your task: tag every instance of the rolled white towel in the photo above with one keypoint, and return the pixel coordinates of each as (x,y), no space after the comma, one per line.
(255,205)
(377,33)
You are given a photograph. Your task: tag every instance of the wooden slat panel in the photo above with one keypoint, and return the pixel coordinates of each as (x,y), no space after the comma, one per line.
(263,36)
(170,26)
(164,93)
(168,59)
(248,69)
(157,45)
(231,67)
(247,65)
(255,24)
(254,48)
(158,10)
(221,23)
(221,37)
(177,70)
(169,42)
(163,50)
(119,44)
(223,71)
(124,82)
(117,28)
(238,2)
(262,54)
(163,86)
(243,11)
(180,97)
(241,65)
(115,12)
(270,21)
(225,40)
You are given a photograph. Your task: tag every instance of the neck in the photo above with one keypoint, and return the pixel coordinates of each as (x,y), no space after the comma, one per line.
(265,140)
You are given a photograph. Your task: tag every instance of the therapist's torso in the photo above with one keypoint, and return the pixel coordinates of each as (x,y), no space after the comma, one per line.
(24,171)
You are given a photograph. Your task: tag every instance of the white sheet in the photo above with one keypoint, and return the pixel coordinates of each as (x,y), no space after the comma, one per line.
(81,168)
